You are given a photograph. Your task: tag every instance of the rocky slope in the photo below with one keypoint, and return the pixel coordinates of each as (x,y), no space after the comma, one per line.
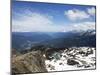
(74,58)
(53,59)
(30,62)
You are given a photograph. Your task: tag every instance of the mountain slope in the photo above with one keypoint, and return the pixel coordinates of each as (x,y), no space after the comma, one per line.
(79,39)
(30,62)
(26,40)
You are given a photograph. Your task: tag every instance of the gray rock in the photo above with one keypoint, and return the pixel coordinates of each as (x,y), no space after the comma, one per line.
(72,62)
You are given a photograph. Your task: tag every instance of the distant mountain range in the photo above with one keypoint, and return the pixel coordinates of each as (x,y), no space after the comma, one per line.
(26,40)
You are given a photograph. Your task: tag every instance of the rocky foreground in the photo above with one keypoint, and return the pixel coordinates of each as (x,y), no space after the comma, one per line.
(73,58)
(28,63)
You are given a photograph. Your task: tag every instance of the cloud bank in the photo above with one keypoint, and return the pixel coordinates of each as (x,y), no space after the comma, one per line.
(36,22)
(76,14)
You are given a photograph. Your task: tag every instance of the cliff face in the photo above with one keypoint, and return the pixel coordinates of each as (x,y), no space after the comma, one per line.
(30,62)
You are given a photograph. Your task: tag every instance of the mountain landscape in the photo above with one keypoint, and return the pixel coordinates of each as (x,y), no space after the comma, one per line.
(59,51)
(24,40)
(52,37)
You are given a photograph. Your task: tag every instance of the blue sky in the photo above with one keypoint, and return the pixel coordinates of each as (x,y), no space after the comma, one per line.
(51,17)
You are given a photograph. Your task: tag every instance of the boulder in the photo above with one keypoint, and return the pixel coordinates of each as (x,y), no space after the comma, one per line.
(72,62)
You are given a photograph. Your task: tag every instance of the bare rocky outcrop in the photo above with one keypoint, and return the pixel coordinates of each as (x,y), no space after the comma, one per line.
(72,58)
(30,62)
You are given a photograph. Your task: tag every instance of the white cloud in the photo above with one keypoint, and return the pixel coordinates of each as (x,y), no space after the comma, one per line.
(76,14)
(91,11)
(84,26)
(81,26)
(34,22)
